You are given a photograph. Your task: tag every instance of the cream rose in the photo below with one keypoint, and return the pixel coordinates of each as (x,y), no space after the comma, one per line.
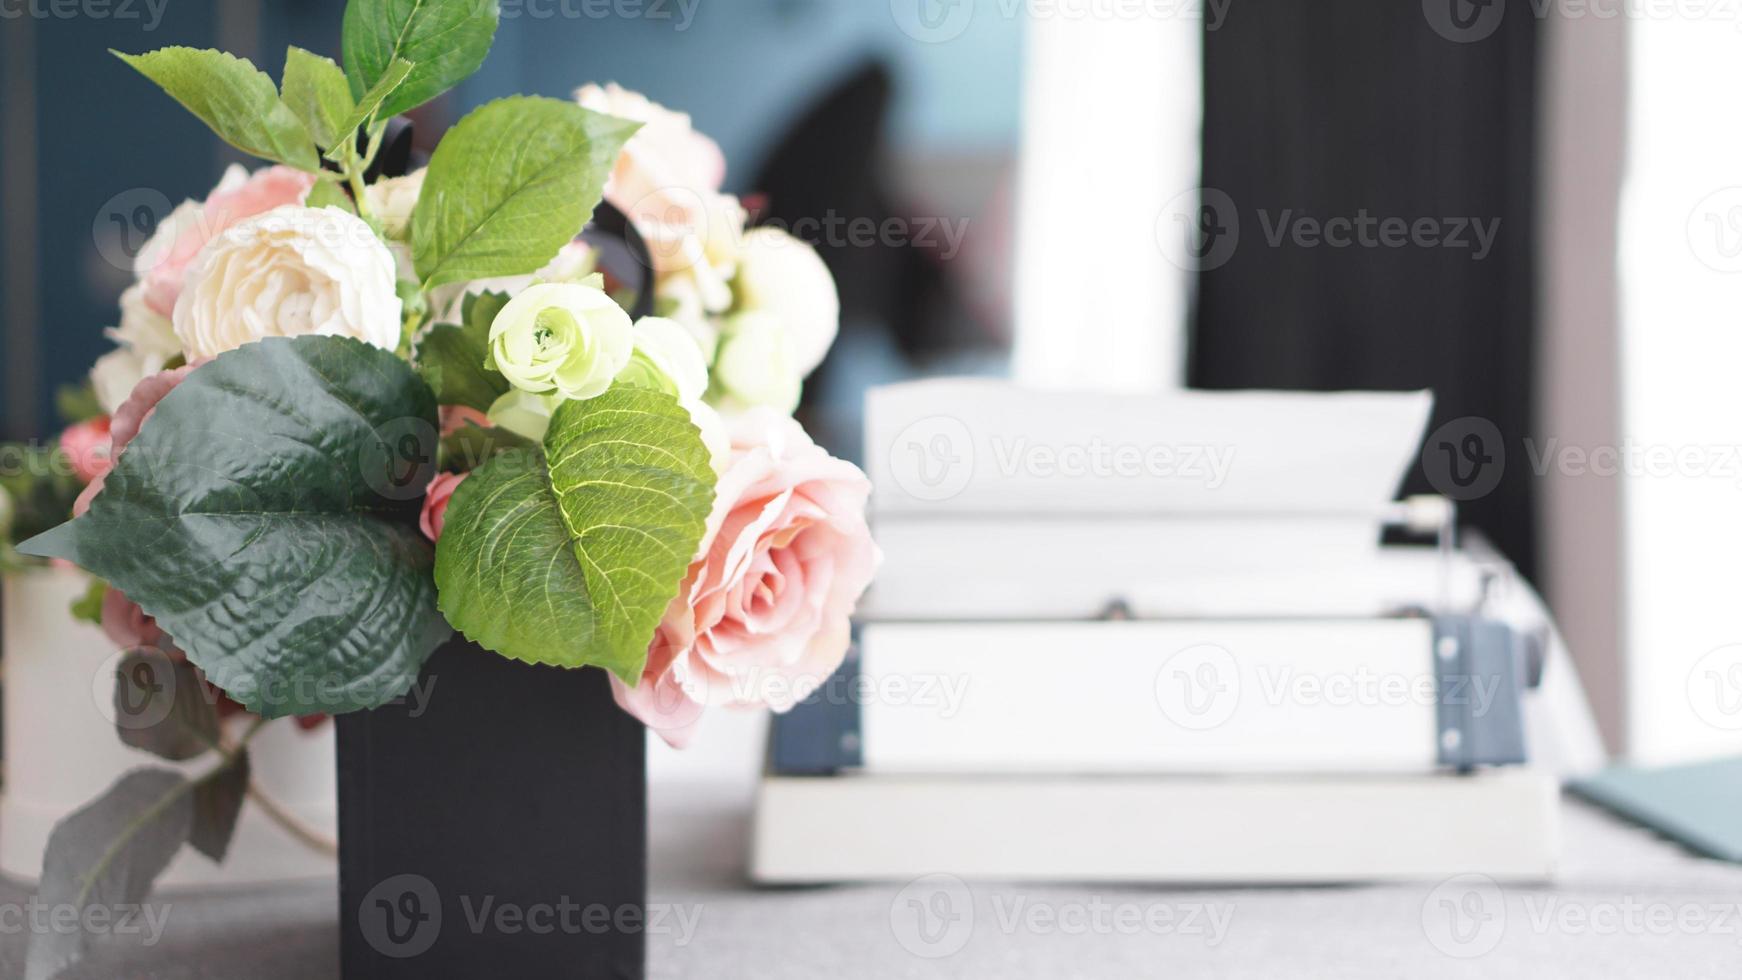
(781,275)
(762,616)
(163,263)
(561,338)
(391,201)
(286,273)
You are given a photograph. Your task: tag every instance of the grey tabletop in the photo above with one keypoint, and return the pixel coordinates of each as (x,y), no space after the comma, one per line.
(1625,905)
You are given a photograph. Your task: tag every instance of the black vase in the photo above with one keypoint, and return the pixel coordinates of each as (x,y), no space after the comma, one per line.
(494,824)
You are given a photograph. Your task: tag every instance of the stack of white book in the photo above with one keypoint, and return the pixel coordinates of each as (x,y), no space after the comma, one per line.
(1156,638)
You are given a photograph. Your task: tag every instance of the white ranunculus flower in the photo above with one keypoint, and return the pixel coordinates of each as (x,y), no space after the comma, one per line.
(562,338)
(286,273)
(390,201)
(782,275)
(117,373)
(756,364)
(524,413)
(667,359)
(142,328)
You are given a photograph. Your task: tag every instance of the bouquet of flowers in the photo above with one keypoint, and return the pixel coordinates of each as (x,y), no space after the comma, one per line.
(347,416)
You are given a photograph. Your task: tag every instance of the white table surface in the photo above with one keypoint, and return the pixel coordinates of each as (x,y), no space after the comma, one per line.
(1603,918)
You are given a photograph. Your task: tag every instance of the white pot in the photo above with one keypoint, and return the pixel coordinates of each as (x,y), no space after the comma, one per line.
(61,750)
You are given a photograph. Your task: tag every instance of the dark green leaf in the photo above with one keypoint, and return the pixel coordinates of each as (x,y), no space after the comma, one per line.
(161,706)
(218,807)
(370,104)
(573,564)
(510,185)
(107,854)
(471,446)
(451,356)
(233,97)
(316,90)
(266,516)
(446,39)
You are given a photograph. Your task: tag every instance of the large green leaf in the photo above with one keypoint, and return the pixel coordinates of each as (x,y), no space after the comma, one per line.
(316,90)
(451,356)
(572,562)
(267,517)
(510,185)
(446,39)
(233,97)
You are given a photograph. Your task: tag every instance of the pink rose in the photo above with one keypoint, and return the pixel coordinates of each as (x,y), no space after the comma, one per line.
(435,503)
(164,261)
(129,419)
(127,626)
(86,447)
(762,618)
(456,417)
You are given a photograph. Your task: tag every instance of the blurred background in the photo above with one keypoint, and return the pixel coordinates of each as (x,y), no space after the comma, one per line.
(1532,209)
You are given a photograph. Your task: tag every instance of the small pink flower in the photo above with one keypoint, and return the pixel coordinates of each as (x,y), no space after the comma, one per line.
(762,617)
(127,626)
(455,417)
(128,420)
(435,503)
(164,262)
(86,447)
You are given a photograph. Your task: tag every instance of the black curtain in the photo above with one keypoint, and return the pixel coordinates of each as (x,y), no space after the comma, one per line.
(1369,110)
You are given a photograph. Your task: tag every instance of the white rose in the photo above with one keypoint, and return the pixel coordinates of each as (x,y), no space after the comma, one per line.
(783,276)
(289,272)
(756,364)
(117,373)
(142,328)
(391,200)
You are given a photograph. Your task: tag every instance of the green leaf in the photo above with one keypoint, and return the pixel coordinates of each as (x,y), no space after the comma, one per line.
(446,39)
(88,608)
(218,808)
(573,563)
(510,185)
(161,706)
(326,194)
(233,97)
(370,104)
(77,403)
(107,854)
(266,516)
(316,90)
(40,483)
(451,356)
